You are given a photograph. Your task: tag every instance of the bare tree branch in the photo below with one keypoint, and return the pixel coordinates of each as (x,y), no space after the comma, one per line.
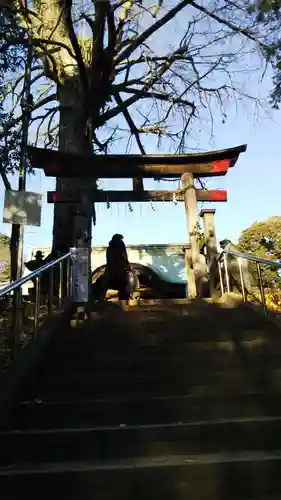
(132,126)
(137,183)
(237,29)
(46,100)
(152,29)
(156,95)
(147,59)
(50,113)
(157,75)
(39,42)
(76,48)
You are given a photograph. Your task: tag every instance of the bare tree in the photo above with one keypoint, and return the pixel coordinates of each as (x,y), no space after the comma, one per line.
(157,66)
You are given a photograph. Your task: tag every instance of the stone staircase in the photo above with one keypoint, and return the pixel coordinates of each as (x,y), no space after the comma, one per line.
(168,400)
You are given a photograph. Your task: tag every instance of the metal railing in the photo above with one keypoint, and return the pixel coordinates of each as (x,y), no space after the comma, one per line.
(63,286)
(223,264)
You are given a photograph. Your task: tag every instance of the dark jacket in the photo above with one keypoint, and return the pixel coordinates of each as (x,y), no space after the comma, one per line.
(117,263)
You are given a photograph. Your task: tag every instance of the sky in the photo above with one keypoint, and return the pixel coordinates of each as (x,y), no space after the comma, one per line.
(253,185)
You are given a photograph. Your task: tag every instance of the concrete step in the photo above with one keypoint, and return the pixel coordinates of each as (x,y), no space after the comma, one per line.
(123,385)
(192,356)
(221,476)
(40,414)
(196,309)
(151,346)
(170,329)
(121,442)
(145,365)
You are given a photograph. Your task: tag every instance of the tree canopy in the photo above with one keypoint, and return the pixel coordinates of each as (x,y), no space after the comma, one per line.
(267,14)
(118,53)
(12,63)
(263,239)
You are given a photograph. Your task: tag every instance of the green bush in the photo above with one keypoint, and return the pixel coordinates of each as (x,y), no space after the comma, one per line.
(263,239)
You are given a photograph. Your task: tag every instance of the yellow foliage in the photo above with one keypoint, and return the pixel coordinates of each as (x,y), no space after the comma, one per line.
(273,300)
(126,9)
(272,297)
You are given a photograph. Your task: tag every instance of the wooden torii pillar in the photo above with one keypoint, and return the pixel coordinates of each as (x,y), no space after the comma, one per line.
(211,246)
(196,270)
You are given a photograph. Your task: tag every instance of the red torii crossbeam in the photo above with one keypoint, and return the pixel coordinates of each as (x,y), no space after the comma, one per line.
(58,164)
(212,195)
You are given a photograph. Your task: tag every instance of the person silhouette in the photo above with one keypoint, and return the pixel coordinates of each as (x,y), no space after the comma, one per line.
(117,267)
(39,259)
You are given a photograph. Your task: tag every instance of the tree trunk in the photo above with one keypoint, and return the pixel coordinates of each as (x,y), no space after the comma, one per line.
(73,222)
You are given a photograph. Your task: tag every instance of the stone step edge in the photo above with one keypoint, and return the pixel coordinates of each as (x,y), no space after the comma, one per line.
(142,463)
(124,427)
(146,398)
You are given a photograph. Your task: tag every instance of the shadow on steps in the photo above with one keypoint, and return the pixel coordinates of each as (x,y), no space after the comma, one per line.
(113,393)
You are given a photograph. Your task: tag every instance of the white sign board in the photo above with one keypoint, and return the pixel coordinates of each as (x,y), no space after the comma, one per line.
(22,207)
(80,274)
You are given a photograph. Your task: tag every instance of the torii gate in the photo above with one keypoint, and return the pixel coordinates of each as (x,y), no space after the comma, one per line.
(186,166)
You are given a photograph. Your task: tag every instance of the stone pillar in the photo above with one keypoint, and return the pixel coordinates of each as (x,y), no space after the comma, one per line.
(211,247)
(194,264)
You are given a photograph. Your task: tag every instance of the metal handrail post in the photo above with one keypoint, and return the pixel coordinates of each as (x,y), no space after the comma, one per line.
(226,273)
(68,272)
(239,260)
(221,279)
(36,305)
(51,292)
(60,283)
(70,278)
(261,288)
(16,321)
